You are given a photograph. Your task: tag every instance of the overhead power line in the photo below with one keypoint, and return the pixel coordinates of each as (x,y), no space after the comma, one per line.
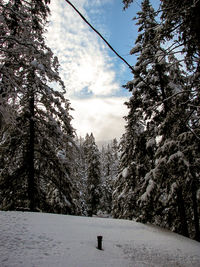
(100,35)
(132,69)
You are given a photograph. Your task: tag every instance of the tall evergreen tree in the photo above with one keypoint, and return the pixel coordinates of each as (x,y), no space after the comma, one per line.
(147,108)
(181,19)
(37,161)
(93,172)
(80,173)
(159,175)
(17,40)
(109,165)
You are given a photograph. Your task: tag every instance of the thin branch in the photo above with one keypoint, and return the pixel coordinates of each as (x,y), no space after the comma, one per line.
(12,10)
(178,93)
(8,38)
(193,132)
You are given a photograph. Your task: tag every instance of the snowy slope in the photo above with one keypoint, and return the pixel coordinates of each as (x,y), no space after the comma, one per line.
(38,239)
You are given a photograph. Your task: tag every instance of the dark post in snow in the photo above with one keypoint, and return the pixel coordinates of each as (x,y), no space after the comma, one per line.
(99,239)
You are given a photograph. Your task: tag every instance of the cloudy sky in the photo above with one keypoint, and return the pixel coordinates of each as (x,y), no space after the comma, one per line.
(93,75)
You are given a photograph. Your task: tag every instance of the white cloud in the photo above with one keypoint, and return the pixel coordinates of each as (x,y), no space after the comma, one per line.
(86,68)
(83,57)
(102,116)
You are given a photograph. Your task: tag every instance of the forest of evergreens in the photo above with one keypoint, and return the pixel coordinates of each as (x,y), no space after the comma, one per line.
(153,173)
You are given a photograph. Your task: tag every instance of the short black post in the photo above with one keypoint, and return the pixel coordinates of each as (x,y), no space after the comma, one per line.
(99,239)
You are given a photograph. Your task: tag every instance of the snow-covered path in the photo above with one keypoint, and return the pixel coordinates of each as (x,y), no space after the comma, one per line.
(38,239)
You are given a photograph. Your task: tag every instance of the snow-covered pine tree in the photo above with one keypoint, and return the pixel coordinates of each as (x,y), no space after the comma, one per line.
(169,193)
(146,110)
(109,166)
(80,173)
(183,22)
(115,153)
(177,156)
(108,160)
(14,40)
(180,26)
(181,19)
(93,174)
(161,179)
(36,166)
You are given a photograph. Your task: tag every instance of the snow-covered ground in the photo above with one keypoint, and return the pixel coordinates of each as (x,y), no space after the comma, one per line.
(39,239)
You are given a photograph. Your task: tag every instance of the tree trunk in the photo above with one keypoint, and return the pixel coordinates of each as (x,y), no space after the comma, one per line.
(182,214)
(162,87)
(30,158)
(195,210)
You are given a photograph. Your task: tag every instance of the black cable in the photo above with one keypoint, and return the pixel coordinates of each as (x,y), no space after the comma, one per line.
(100,35)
